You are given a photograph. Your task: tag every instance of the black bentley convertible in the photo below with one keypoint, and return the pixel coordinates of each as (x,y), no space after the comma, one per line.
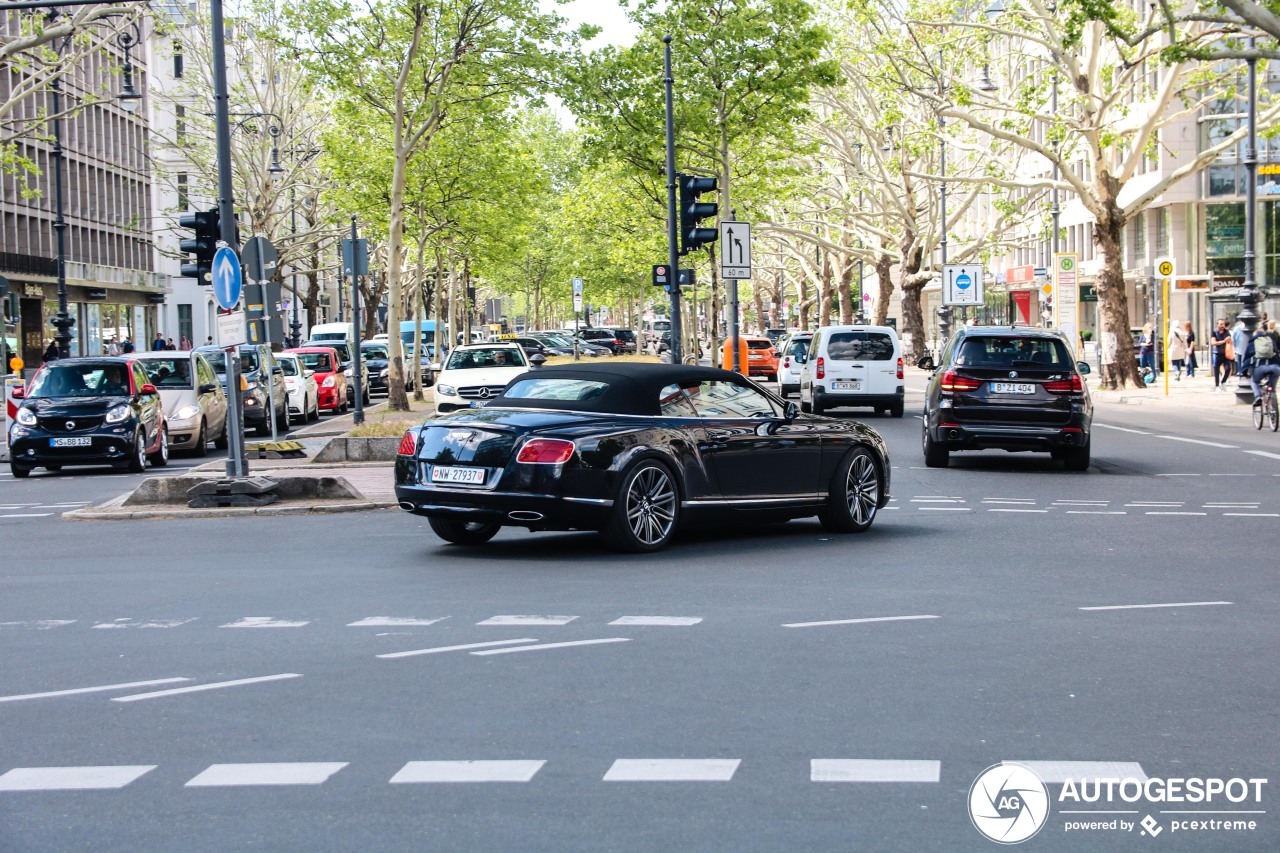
(636,451)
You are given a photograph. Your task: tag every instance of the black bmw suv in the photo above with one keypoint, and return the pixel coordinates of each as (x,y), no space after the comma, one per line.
(88,411)
(1012,388)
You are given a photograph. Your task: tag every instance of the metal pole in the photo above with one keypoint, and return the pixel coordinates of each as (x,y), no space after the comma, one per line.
(673,249)
(296,325)
(358,418)
(944,313)
(63,321)
(733,313)
(1249,295)
(238,465)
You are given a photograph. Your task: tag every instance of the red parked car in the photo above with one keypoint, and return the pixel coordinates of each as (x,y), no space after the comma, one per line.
(330,379)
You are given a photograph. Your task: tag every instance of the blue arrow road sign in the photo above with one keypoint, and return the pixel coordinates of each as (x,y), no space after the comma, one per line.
(226,278)
(963,281)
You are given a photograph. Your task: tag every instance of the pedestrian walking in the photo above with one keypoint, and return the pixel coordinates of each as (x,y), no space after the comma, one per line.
(127,347)
(158,343)
(1221,355)
(1239,343)
(1189,334)
(185,345)
(208,341)
(1147,353)
(51,352)
(168,344)
(1176,346)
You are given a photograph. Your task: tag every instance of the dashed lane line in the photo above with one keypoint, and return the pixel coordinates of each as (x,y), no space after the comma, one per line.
(1265,453)
(462,648)
(137,697)
(1058,772)
(270,773)
(873,770)
(544,646)
(72,778)
(1008,509)
(1121,429)
(857,621)
(493,770)
(100,689)
(673,770)
(1156,606)
(1200,441)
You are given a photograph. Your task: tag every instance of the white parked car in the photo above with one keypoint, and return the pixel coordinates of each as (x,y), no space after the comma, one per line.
(853,366)
(476,373)
(304,394)
(791,359)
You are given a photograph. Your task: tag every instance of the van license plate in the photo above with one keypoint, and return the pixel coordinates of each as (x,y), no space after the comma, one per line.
(1012,388)
(472,476)
(855,385)
(79,441)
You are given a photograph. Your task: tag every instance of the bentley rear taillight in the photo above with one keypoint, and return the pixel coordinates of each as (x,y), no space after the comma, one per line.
(408,444)
(546,451)
(952,382)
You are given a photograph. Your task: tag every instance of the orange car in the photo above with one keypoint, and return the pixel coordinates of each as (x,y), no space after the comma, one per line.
(755,354)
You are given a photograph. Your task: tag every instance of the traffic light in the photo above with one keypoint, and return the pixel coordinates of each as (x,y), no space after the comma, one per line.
(203,246)
(693,211)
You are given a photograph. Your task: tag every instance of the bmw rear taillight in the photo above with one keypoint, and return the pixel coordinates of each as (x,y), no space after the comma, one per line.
(546,451)
(408,445)
(822,368)
(952,382)
(1074,385)
(899,368)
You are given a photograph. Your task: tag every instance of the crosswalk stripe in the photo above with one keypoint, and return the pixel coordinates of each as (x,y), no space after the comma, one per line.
(281,773)
(528,620)
(72,778)
(657,620)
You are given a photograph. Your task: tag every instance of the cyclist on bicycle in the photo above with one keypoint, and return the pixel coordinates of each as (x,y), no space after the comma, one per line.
(1263,355)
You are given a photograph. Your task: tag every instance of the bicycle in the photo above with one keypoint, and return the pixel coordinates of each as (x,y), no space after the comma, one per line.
(1264,409)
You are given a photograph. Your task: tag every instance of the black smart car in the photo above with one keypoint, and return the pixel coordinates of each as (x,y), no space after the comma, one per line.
(88,411)
(1010,388)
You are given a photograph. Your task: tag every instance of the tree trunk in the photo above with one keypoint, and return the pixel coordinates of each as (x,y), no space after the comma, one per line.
(884,287)
(846,290)
(397,400)
(1113,303)
(912,313)
(761,317)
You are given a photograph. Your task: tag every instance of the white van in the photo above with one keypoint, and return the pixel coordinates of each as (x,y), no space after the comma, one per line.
(852,366)
(333,332)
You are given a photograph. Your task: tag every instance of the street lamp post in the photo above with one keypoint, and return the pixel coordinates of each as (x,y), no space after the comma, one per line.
(1249,294)
(944,313)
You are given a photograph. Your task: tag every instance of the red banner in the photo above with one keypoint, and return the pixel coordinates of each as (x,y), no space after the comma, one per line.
(1022,301)
(1018,275)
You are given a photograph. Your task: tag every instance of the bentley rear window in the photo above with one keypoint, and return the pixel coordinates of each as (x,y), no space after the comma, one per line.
(555,389)
(859,346)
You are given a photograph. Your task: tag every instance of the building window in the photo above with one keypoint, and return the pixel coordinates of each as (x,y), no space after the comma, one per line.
(177,60)
(1224,238)
(184,199)
(1161,217)
(180,123)
(185,329)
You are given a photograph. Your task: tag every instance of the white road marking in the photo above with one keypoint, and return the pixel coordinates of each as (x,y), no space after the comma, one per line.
(393,622)
(873,770)
(439,649)
(26,515)
(1080,503)
(672,770)
(856,621)
(1166,512)
(528,620)
(72,778)
(1008,500)
(945,508)
(674,621)
(201,687)
(467,771)
(58,506)
(1265,453)
(1200,441)
(1057,772)
(282,773)
(263,622)
(1253,505)
(1177,475)
(1120,428)
(997,509)
(542,646)
(1096,512)
(77,690)
(1149,606)
(155,623)
(937,500)
(40,624)
(1156,503)
(1255,514)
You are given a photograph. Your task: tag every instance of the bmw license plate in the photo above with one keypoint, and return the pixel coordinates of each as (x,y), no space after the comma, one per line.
(469,476)
(1012,388)
(77,441)
(853,385)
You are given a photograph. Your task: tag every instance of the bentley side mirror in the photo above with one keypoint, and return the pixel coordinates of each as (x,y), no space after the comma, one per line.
(1084,368)
(925,362)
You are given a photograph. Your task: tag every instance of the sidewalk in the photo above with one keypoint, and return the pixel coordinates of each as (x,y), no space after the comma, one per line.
(1194,392)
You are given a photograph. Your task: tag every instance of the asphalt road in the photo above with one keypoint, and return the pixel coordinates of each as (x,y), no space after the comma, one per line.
(699,702)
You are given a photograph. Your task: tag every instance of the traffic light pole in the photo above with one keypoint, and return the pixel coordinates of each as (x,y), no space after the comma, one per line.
(673,249)
(237,465)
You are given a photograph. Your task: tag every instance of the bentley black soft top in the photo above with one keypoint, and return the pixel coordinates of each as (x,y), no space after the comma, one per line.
(630,388)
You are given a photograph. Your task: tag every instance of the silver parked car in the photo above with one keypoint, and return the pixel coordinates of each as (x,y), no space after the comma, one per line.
(194,401)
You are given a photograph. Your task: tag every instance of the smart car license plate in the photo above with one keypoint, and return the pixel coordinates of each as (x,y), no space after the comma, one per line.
(1012,388)
(470,476)
(854,385)
(78,441)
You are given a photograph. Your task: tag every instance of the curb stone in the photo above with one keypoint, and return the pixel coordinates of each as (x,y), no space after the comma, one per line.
(98,514)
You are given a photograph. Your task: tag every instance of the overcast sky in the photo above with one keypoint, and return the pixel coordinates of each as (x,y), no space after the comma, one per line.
(603,13)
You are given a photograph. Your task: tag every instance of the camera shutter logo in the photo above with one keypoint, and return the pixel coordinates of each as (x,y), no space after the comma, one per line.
(1008,803)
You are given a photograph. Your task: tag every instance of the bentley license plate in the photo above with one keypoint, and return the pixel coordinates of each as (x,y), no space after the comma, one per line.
(854,385)
(78,441)
(1012,388)
(471,476)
